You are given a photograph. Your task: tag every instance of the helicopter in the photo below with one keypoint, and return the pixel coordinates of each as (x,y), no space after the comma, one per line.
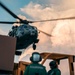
(25,33)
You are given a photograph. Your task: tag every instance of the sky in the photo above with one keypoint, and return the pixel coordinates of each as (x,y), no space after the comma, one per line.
(63,32)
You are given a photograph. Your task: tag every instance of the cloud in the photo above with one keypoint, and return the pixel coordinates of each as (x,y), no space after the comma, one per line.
(2,32)
(39,12)
(63,32)
(58,5)
(68,4)
(62,5)
(59,29)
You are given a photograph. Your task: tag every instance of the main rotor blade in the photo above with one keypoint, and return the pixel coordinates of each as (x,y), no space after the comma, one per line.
(26,22)
(2,22)
(11,13)
(45,33)
(66,18)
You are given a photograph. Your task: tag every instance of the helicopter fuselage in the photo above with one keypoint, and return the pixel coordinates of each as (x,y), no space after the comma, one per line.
(25,35)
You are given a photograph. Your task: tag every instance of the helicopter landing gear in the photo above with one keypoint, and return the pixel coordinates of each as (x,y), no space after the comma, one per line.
(34,46)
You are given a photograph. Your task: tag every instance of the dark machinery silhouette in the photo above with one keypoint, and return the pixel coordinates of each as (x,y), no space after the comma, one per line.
(25,33)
